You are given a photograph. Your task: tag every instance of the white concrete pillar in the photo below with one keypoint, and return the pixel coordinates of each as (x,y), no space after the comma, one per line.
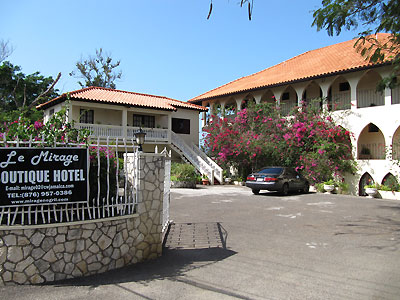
(299,91)
(353,80)
(278,94)
(238,103)
(124,122)
(325,90)
(258,97)
(222,110)
(388,96)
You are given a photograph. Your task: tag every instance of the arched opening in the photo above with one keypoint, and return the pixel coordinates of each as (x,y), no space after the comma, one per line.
(312,96)
(268,97)
(217,110)
(230,109)
(366,179)
(396,145)
(390,181)
(245,101)
(371,143)
(366,91)
(288,101)
(207,115)
(339,95)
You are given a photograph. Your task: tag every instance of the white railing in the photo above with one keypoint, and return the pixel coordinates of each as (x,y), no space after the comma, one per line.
(152,134)
(109,195)
(341,100)
(287,106)
(113,131)
(199,163)
(218,171)
(376,151)
(102,130)
(396,95)
(369,97)
(166,197)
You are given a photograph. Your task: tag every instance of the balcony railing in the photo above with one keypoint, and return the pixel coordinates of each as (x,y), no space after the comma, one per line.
(372,151)
(396,95)
(112,131)
(369,97)
(341,100)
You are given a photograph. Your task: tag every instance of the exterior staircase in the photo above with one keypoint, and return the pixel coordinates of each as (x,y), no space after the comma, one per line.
(192,154)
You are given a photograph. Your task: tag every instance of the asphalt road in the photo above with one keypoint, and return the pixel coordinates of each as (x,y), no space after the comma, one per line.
(226,243)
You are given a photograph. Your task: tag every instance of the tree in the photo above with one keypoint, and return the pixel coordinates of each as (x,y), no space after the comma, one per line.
(376,16)
(97,70)
(5,50)
(20,93)
(250,4)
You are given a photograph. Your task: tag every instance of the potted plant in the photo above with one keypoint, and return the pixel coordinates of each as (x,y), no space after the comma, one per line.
(205,180)
(329,186)
(389,192)
(371,190)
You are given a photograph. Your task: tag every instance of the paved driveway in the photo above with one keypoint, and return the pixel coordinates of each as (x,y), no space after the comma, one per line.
(313,246)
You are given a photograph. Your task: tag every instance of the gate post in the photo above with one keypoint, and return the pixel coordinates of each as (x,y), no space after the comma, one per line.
(150,206)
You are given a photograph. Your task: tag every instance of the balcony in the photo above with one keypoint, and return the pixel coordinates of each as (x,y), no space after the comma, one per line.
(153,135)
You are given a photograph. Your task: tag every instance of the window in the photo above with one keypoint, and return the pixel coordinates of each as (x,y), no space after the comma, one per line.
(344,86)
(181,126)
(51,112)
(285,96)
(86,116)
(144,121)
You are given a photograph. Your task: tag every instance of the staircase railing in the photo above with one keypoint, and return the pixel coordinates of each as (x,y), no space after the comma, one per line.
(195,159)
(218,171)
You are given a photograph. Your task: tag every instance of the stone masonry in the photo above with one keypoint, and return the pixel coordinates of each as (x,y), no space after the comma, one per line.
(37,254)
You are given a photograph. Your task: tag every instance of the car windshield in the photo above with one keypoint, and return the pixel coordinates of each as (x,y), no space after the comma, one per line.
(272,171)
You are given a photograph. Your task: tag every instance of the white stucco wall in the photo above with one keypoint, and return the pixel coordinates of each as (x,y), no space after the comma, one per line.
(193,116)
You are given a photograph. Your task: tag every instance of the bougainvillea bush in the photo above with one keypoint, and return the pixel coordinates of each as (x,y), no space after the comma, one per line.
(308,141)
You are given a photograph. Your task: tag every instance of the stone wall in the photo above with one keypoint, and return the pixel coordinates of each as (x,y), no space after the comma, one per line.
(37,254)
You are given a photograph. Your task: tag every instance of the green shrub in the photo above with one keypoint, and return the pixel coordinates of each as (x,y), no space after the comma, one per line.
(183,172)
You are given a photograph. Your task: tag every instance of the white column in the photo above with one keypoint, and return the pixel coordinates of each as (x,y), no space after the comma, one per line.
(325,89)
(124,122)
(299,92)
(388,96)
(238,103)
(353,80)
(222,110)
(258,98)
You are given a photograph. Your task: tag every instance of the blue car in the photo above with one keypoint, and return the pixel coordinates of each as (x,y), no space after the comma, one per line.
(280,179)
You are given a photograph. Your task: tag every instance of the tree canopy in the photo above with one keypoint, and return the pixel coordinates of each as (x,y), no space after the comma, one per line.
(20,93)
(374,16)
(97,70)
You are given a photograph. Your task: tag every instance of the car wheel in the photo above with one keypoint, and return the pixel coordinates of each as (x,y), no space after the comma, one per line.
(255,192)
(306,188)
(285,189)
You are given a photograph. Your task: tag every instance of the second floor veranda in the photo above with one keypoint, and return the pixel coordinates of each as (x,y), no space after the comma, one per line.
(351,91)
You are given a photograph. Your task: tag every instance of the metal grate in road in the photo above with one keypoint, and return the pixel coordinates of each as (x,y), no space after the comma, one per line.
(194,236)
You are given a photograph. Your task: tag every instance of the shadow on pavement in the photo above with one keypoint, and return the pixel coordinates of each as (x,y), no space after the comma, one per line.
(176,260)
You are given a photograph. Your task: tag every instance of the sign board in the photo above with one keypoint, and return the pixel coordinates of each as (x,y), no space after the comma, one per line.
(43,175)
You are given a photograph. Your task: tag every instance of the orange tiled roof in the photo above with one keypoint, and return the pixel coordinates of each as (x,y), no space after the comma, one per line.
(325,61)
(111,96)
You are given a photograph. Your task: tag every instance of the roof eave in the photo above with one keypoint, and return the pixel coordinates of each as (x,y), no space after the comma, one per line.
(197,101)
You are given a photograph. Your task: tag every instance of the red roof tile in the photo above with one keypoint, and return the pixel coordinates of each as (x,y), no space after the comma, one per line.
(111,96)
(320,62)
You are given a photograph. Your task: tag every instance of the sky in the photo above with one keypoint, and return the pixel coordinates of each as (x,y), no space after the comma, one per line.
(166,47)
